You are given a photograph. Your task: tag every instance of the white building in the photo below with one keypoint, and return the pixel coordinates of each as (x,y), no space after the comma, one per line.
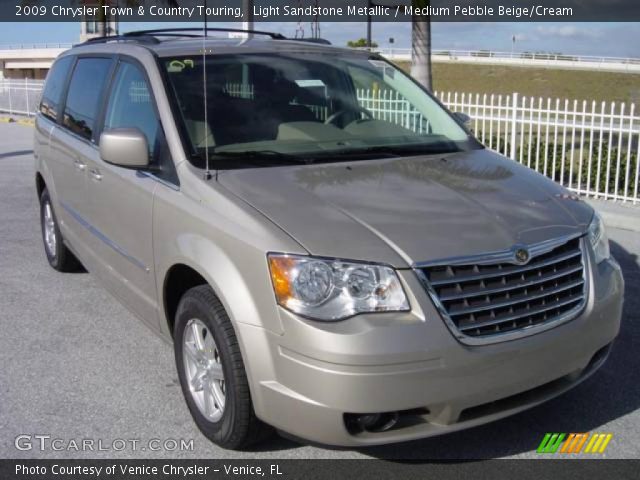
(34,60)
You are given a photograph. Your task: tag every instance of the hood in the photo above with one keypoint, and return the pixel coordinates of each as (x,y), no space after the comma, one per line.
(406,210)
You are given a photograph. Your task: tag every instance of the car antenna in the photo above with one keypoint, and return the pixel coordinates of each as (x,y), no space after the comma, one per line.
(207,172)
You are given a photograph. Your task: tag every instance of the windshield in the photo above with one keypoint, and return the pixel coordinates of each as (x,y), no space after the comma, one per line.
(275,109)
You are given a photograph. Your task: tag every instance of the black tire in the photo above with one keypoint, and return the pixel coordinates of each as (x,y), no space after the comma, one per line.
(59,257)
(238,427)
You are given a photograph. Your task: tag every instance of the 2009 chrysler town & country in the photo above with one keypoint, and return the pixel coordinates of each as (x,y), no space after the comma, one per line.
(348,271)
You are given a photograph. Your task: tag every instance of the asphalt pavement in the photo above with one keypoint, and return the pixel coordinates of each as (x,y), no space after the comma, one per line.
(75,365)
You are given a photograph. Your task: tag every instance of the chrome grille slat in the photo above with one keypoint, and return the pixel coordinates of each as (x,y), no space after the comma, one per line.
(511,318)
(511,271)
(532,283)
(517,301)
(484,299)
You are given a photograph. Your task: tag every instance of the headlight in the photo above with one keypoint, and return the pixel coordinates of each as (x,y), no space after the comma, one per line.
(334,289)
(598,238)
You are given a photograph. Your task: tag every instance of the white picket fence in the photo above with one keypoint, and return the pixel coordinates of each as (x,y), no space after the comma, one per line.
(589,147)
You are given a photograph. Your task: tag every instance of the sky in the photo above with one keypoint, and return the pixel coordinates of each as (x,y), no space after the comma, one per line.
(601,39)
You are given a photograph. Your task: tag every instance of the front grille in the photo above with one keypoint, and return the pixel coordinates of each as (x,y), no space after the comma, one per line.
(484,299)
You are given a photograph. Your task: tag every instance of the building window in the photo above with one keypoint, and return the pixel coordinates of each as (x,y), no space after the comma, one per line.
(93,26)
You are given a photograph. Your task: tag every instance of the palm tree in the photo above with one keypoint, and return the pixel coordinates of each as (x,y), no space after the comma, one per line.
(421,46)
(420,43)
(103,22)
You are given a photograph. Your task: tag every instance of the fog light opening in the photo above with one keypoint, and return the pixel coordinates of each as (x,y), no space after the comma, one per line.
(385,421)
(371,422)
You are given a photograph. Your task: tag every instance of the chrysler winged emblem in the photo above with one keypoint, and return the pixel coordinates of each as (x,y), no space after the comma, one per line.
(521,255)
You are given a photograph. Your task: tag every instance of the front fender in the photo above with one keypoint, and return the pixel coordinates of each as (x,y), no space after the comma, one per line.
(246,300)
(225,241)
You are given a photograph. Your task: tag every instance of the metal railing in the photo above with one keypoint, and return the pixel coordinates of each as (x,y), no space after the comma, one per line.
(20,97)
(586,62)
(514,55)
(589,147)
(26,46)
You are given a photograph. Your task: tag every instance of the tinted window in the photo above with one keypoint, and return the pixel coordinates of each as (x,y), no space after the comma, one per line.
(52,94)
(131,106)
(85,90)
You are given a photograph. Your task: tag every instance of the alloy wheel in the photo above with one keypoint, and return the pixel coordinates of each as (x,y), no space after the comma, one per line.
(204,370)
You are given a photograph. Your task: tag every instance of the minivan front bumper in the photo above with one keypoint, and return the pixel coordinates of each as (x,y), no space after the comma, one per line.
(305,381)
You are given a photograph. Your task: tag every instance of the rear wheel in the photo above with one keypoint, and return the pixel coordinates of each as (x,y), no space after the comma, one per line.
(58,255)
(212,373)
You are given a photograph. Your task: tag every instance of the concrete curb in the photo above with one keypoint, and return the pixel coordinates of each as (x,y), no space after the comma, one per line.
(618,215)
(30,122)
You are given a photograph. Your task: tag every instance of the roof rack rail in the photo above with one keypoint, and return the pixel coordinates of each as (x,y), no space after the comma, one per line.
(171,32)
(321,41)
(150,36)
(116,38)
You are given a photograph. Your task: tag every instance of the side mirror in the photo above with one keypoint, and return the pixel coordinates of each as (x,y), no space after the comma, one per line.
(126,147)
(464,119)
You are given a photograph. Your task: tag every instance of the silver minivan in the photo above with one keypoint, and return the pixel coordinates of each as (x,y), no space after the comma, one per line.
(331,252)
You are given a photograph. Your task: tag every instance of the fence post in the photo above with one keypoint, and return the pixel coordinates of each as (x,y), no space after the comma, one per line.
(514,125)
(10,106)
(26,93)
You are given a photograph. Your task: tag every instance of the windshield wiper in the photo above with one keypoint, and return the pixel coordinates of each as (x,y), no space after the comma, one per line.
(401,150)
(237,159)
(261,157)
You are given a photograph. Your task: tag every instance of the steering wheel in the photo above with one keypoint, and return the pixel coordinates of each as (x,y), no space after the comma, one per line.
(336,118)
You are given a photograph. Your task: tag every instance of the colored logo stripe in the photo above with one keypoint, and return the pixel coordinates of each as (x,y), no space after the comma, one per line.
(574,443)
(550,443)
(598,443)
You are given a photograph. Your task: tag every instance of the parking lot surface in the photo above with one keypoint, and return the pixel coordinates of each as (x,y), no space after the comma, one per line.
(76,365)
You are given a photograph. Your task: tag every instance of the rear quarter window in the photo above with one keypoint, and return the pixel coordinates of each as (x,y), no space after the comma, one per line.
(54,87)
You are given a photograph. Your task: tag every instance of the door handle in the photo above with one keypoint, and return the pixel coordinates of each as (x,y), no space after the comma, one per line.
(79,165)
(95,173)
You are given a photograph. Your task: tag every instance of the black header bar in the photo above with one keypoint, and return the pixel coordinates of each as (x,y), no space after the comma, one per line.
(324,10)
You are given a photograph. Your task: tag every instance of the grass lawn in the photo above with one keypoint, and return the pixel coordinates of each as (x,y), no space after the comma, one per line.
(537,82)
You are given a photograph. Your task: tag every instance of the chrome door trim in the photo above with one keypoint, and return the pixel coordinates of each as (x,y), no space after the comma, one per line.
(104,238)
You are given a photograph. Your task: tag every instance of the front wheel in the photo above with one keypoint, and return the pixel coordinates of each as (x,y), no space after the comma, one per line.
(212,373)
